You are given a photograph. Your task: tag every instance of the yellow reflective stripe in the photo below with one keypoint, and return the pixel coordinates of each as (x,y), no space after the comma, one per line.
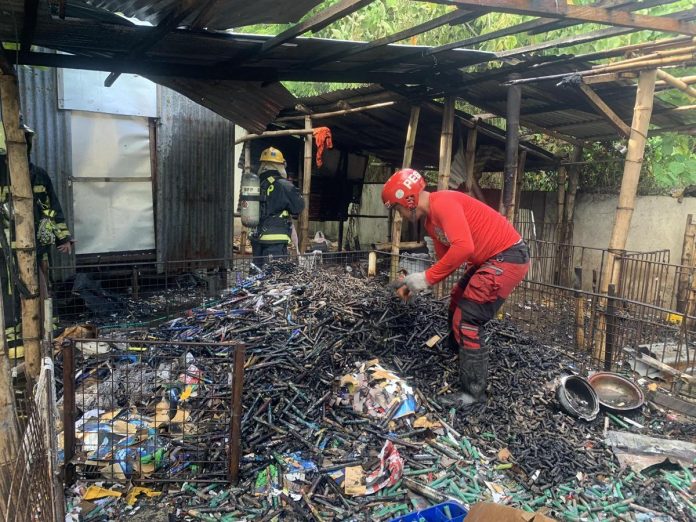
(275,237)
(284,213)
(39,188)
(270,189)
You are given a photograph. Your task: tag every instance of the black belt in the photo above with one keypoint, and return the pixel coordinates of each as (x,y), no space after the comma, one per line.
(517,254)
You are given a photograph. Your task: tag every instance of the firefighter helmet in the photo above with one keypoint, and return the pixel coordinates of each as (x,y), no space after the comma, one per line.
(403,188)
(272,155)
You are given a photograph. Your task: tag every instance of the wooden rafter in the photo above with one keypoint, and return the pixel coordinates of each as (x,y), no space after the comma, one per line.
(563,10)
(315,23)
(605,110)
(459,16)
(31,12)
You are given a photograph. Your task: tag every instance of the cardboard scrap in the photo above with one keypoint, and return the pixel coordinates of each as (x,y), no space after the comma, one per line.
(504,455)
(488,512)
(354,482)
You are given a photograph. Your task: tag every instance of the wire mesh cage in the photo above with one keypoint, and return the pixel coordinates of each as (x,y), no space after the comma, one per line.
(152,411)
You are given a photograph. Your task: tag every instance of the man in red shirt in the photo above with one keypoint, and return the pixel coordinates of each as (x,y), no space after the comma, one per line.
(465,232)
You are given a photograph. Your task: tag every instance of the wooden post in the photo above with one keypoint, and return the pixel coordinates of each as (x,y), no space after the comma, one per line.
(512,142)
(372,264)
(567,222)
(510,210)
(629,184)
(519,184)
(579,311)
(25,234)
(306,188)
(560,211)
(247,168)
(470,157)
(573,182)
(9,427)
(688,262)
(406,163)
(445,165)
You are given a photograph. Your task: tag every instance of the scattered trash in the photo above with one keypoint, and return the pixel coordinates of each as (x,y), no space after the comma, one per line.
(343,417)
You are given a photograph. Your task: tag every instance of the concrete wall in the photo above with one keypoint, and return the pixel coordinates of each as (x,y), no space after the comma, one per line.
(658,223)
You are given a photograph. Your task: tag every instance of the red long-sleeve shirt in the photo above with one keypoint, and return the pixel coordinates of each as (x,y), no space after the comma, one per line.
(464,230)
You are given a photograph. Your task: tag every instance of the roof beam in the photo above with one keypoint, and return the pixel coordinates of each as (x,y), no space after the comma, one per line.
(605,110)
(563,10)
(149,68)
(458,16)
(315,23)
(31,12)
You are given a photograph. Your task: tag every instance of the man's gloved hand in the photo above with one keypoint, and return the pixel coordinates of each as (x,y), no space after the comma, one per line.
(416,282)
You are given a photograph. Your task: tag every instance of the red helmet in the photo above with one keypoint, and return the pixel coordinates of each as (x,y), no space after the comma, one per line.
(403,188)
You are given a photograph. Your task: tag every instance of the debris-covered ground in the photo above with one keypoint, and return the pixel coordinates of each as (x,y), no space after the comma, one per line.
(343,418)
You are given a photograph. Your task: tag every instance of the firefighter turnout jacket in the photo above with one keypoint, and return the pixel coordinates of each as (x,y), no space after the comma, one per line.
(48,214)
(280,200)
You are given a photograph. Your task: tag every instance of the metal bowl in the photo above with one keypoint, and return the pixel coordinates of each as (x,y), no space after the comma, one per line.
(616,392)
(577,397)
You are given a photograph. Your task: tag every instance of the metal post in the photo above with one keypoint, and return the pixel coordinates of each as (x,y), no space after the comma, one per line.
(512,141)
(68,410)
(611,328)
(236,420)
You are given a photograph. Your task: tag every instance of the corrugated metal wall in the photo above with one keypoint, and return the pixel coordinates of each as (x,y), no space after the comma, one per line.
(51,149)
(195,172)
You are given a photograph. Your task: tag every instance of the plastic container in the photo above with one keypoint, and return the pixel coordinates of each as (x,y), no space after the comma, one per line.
(437,513)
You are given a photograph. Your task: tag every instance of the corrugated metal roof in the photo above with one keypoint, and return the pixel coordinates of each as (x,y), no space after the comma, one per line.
(564,108)
(220,14)
(194,181)
(382,131)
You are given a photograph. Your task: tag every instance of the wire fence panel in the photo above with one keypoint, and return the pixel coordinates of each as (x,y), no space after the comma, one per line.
(27,485)
(152,411)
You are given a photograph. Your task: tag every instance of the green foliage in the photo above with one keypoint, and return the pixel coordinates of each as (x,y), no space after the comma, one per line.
(670,160)
(673,160)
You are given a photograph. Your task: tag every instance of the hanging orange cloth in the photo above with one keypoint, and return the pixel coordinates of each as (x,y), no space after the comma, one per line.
(322,137)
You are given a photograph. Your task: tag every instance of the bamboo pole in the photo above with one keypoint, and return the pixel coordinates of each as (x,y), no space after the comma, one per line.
(406,163)
(446,134)
(342,112)
(688,262)
(273,134)
(629,182)
(676,83)
(652,56)
(306,187)
(25,234)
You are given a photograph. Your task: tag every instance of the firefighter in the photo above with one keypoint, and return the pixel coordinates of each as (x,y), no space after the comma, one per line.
(280,201)
(48,219)
(466,233)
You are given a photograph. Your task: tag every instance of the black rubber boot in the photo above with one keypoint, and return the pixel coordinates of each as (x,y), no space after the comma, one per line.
(473,372)
(473,378)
